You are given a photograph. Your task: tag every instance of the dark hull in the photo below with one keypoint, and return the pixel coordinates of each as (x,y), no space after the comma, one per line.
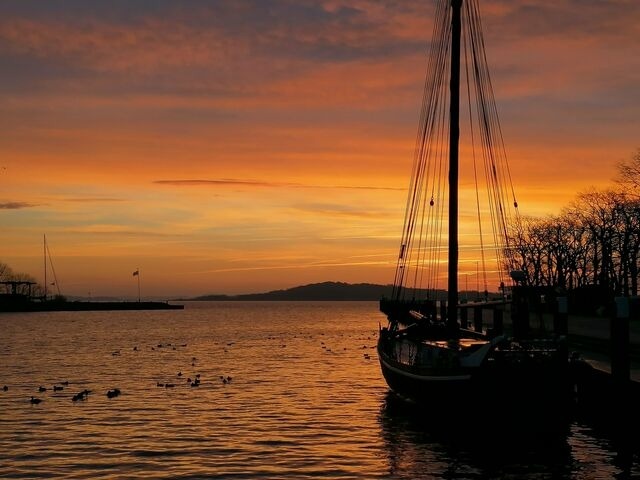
(505,389)
(424,387)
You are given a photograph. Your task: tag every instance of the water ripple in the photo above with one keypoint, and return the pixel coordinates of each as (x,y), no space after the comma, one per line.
(303,401)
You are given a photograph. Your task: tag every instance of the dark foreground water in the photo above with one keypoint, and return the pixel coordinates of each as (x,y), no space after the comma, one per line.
(306,400)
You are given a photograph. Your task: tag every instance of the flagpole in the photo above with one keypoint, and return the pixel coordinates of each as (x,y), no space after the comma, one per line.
(44,256)
(138,270)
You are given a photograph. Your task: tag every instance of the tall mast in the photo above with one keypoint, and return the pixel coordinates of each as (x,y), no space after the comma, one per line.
(454,135)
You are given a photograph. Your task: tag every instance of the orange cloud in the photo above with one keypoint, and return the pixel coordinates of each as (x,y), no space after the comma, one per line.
(273,140)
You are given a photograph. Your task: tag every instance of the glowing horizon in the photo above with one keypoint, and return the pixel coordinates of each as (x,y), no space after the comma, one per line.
(239,147)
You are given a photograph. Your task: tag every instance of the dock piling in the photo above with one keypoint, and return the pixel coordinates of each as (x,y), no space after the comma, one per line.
(561,317)
(464,317)
(620,366)
(520,312)
(498,325)
(477,319)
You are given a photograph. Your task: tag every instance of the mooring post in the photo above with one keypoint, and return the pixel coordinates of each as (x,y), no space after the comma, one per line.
(464,317)
(520,312)
(433,310)
(561,316)
(477,319)
(620,367)
(561,326)
(498,326)
(540,307)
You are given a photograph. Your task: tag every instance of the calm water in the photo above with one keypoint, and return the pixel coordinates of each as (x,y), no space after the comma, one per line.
(303,402)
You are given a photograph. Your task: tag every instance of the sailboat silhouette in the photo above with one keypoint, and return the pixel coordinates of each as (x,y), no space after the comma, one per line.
(426,351)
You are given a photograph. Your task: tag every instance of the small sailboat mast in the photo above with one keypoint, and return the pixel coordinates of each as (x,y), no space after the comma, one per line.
(46,255)
(454,138)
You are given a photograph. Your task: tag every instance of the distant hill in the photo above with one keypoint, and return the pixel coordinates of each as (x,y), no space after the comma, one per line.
(329,291)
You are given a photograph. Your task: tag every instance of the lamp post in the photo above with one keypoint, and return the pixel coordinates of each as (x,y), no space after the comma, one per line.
(519,304)
(477,281)
(466,287)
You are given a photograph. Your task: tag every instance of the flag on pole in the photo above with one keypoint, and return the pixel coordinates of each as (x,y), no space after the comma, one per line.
(136,273)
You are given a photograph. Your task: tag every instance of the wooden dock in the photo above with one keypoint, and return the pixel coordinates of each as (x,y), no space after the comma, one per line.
(604,353)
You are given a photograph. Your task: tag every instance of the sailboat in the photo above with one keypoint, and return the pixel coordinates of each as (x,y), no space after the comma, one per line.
(427,352)
(15,302)
(46,255)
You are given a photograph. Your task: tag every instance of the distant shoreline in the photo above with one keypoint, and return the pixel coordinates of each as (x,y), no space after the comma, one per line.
(325,291)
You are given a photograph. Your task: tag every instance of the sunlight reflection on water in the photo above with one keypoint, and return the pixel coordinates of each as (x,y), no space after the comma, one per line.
(303,401)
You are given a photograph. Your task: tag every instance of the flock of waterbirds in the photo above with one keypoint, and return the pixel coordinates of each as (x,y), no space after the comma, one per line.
(83,395)
(192,381)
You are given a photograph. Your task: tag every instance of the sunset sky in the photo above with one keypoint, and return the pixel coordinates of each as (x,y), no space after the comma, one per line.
(249,145)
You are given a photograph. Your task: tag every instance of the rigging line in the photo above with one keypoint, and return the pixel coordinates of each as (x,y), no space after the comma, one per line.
(436,99)
(415,176)
(417,283)
(481,112)
(502,182)
(441,153)
(487,122)
(426,118)
(479,106)
(437,156)
(419,157)
(499,128)
(422,153)
(443,174)
(440,65)
(482,100)
(429,154)
(473,150)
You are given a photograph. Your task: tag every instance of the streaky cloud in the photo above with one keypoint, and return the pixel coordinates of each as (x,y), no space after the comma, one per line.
(124,233)
(94,199)
(224,182)
(336,210)
(16,205)
(260,183)
(298,266)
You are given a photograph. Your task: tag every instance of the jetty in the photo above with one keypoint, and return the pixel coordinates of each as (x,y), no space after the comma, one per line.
(83,306)
(13,301)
